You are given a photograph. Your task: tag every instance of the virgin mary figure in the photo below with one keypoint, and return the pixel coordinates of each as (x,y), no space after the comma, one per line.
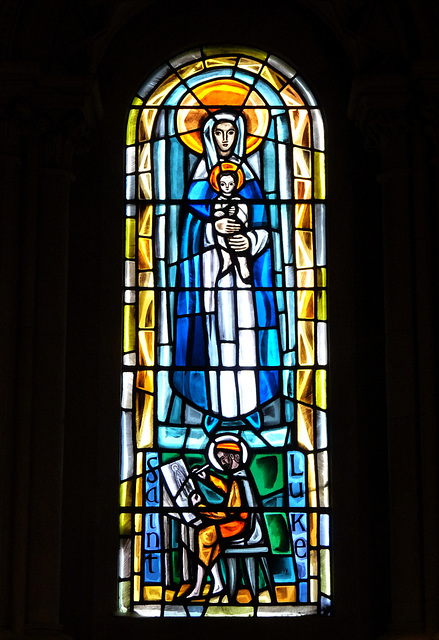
(226,355)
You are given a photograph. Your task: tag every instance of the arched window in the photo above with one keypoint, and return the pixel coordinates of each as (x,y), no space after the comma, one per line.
(224,461)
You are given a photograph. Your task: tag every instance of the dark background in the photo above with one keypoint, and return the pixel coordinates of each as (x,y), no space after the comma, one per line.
(69,70)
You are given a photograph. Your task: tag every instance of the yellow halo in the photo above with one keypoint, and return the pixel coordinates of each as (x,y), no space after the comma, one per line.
(211,96)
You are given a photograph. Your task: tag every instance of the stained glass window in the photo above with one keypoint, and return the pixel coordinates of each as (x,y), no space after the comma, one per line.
(224,497)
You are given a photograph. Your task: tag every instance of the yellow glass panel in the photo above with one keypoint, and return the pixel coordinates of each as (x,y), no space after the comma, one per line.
(145,380)
(303,216)
(275,79)
(286,593)
(145,157)
(146,309)
(313,565)
(226,91)
(146,124)
(305,304)
(139,464)
(215,50)
(169,595)
(136,588)
(137,553)
(305,427)
(305,278)
(132,126)
(146,348)
(300,127)
(314,590)
(146,279)
(306,342)
(145,253)
(129,327)
(130,238)
(319,175)
(264,597)
(190,69)
(145,220)
(325,571)
(125,524)
(145,186)
(137,101)
(321,305)
(138,522)
(305,386)
(304,249)
(302,189)
(126,493)
(221,62)
(144,420)
(321,276)
(291,97)
(249,65)
(312,496)
(302,162)
(162,90)
(152,593)
(321,388)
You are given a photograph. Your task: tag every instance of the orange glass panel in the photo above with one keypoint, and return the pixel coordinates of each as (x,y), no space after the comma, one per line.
(313,528)
(275,79)
(305,278)
(313,564)
(139,492)
(136,588)
(227,92)
(146,309)
(137,552)
(305,386)
(145,253)
(302,162)
(145,157)
(144,420)
(302,189)
(249,65)
(286,593)
(146,348)
(145,380)
(300,127)
(145,186)
(145,220)
(303,216)
(291,97)
(305,426)
(305,304)
(304,249)
(306,342)
(138,522)
(146,279)
(162,90)
(146,123)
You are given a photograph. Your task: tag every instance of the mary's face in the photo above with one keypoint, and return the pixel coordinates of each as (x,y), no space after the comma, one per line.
(224,134)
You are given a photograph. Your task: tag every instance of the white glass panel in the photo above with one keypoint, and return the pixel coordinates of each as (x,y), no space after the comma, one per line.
(317,130)
(304,91)
(130,272)
(130,187)
(228,394)
(246,315)
(247,391)
(247,348)
(127,455)
(322,437)
(130,296)
(228,354)
(160,237)
(127,390)
(322,346)
(130,159)
(226,315)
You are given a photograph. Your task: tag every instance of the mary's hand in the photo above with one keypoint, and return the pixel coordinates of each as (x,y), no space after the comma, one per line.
(239,243)
(227,226)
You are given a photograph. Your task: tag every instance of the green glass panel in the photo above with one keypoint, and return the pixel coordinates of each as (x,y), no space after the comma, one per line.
(137,101)
(125,524)
(278,532)
(126,494)
(321,277)
(267,470)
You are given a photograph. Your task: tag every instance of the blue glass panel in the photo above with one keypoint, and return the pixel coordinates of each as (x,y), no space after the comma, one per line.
(322,438)
(126,464)
(172,437)
(246,77)
(171,122)
(288,382)
(289,411)
(291,316)
(283,570)
(283,129)
(275,437)
(271,413)
(197,439)
(161,273)
(153,571)
(131,187)
(159,129)
(325,603)
(176,169)
(175,417)
(303,591)
(192,416)
(290,358)
(299,528)
(152,478)
(165,356)
(274,216)
(265,309)
(269,155)
(297,484)
(284,172)
(287,235)
(324,529)
(269,348)
(253,440)
(188,302)
(181,342)
(277,251)
(270,96)
(268,385)
(192,385)
(262,270)
(175,96)
(172,275)
(274,501)
(280,301)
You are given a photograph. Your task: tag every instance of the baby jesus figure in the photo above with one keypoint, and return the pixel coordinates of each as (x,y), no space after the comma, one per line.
(230,215)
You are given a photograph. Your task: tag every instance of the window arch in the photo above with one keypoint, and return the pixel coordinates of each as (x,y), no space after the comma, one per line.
(224,462)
